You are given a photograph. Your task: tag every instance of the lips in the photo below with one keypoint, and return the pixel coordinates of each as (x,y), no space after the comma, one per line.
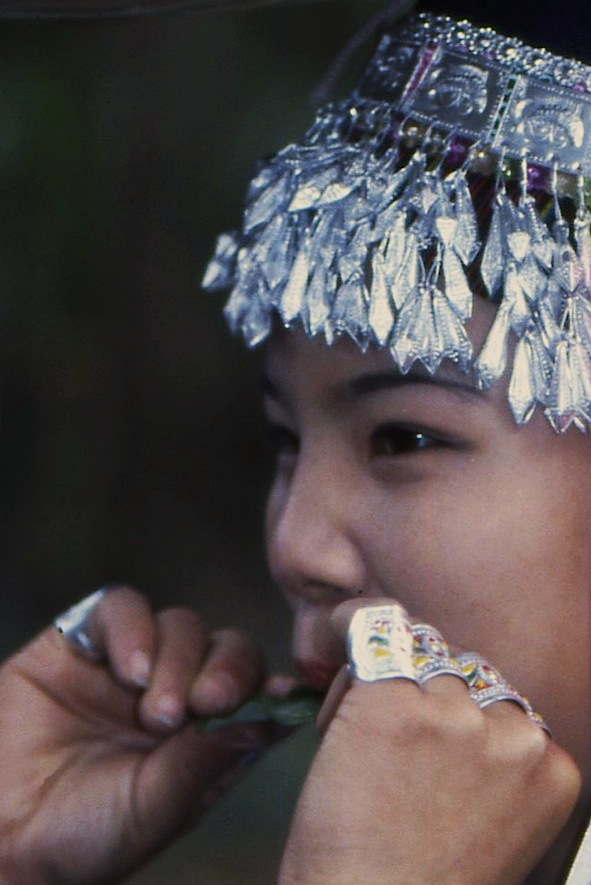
(315,674)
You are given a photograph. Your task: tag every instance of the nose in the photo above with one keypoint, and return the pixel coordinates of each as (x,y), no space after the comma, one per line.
(313,545)
(315,553)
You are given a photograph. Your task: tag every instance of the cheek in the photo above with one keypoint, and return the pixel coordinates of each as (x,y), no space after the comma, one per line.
(502,566)
(410,550)
(477,556)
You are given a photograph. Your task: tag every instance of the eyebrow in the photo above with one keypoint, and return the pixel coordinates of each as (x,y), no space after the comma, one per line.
(374,382)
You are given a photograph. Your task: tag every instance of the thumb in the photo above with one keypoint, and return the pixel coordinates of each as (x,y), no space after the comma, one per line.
(343,613)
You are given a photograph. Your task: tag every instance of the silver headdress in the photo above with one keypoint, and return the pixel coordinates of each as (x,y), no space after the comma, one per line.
(460,164)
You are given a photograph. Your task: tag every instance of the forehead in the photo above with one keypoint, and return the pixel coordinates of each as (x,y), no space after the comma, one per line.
(292,357)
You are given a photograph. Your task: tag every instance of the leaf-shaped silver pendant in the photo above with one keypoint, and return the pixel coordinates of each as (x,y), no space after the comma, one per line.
(457,288)
(454,342)
(381,313)
(542,242)
(516,299)
(493,258)
(394,245)
(583,241)
(292,297)
(256,323)
(271,200)
(467,241)
(349,310)
(317,300)
(492,359)
(407,278)
(522,388)
(561,409)
(219,273)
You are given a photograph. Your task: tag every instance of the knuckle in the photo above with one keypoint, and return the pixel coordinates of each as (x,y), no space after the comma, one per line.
(388,709)
(122,593)
(563,775)
(120,609)
(548,771)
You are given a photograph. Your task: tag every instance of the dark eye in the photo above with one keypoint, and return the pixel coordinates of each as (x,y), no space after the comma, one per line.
(390,440)
(282,442)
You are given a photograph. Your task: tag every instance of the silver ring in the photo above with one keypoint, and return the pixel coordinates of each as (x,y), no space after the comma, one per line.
(380,644)
(487,686)
(73,625)
(431,654)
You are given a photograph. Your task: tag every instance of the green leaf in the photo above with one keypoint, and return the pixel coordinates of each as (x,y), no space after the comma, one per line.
(301,705)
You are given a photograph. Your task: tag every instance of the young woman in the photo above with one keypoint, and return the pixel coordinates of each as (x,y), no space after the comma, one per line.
(420,268)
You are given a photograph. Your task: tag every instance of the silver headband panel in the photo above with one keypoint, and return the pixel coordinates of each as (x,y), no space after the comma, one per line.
(490,88)
(373,226)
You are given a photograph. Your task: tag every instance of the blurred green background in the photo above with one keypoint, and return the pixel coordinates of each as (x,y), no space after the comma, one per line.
(131,440)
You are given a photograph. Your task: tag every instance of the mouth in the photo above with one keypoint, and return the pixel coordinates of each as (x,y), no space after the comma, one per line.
(315,675)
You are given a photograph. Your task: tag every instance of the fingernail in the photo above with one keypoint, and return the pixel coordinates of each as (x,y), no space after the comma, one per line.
(220,692)
(169,711)
(139,669)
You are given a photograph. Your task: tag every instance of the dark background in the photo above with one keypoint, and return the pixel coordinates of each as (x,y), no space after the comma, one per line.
(131,438)
(131,444)
(131,441)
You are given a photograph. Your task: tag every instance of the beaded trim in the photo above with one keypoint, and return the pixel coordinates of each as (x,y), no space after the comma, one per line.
(507,51)
(459,164)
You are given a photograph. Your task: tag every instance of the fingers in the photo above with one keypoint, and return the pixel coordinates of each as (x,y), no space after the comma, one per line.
(197,672)
(385,644)
(181,646)
(122,626)
(171,657)
(472,706)
(343,613)
(232,671)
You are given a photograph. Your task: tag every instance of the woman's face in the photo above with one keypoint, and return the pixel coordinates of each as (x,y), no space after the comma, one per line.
(423,489)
